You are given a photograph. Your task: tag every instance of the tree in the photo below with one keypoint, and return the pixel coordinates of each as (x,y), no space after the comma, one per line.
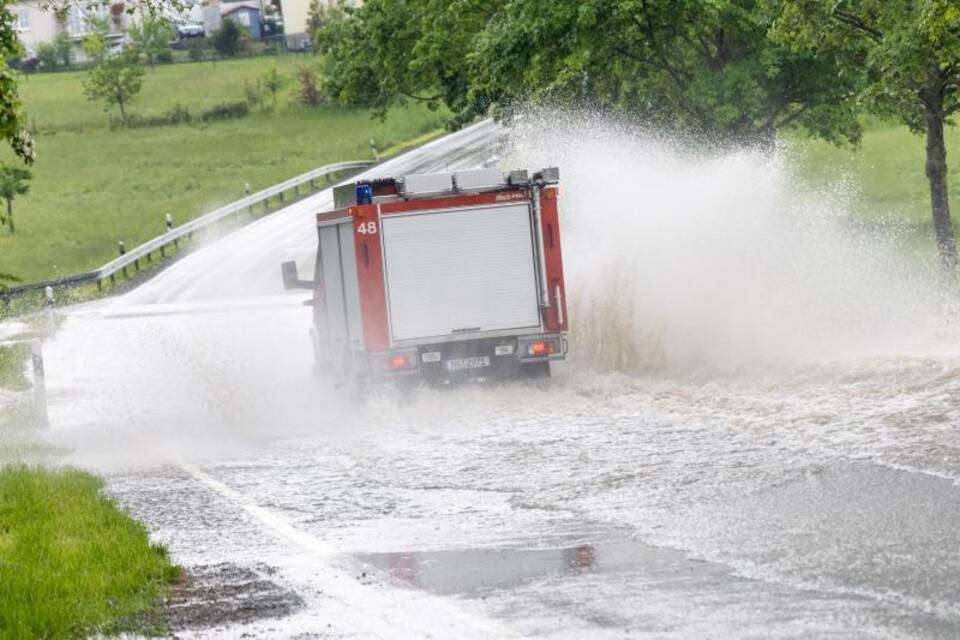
(14,181)
(116,80)
(12,120)
(704,67)
(151,38)
(389,52)
(95,42)
(273,80)
(911,50)
(229,38)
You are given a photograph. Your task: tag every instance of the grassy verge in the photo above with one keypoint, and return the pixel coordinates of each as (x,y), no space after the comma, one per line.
(72,563)
(94,186)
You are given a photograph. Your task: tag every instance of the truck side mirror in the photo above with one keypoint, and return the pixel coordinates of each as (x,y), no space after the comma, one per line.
(291,279)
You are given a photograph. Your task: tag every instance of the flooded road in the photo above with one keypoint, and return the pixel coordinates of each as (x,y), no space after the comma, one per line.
(755,437)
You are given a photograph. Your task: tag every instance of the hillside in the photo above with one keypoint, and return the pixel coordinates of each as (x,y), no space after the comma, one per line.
(94,186)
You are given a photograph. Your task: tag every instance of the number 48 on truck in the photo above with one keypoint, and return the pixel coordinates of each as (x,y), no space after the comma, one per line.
(446,277)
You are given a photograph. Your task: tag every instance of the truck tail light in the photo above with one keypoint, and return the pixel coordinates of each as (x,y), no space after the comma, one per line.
(397,362)
(542,348)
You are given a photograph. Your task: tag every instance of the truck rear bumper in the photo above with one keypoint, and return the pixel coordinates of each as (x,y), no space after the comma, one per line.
(471,360)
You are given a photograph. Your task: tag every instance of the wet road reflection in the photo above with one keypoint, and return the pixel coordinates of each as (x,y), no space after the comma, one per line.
(475,571)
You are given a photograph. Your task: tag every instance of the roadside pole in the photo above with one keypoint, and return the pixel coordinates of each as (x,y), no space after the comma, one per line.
(39,385)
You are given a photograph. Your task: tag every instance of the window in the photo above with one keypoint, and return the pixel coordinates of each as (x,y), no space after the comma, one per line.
(79,21)
(23,19)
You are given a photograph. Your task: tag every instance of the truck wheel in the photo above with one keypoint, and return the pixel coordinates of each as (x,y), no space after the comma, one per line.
(535,370)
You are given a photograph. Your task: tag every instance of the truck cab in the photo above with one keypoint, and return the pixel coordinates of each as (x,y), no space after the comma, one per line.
(446,277)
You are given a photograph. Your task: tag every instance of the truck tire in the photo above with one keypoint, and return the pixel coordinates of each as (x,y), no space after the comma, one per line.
(535,370)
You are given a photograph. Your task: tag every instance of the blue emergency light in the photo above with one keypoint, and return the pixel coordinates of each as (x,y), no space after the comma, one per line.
(364,193)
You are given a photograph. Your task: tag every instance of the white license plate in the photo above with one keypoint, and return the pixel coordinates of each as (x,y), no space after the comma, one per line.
(459,364)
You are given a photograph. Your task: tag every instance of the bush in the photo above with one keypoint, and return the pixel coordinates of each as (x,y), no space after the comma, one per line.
(29,65)
(195,50)
(48,56)
(309,93)
(230,39)
(165,56)
(63,45)
(225,111)
(177,114)
(254,94)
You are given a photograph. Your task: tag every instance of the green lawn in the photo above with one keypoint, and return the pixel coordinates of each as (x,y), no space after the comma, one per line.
(886,172)
(94,186)
(71,562)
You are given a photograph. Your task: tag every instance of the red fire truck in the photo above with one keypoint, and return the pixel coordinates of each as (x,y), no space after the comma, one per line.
(445,277)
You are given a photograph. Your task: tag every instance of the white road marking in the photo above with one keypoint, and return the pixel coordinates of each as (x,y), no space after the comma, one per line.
(384,612)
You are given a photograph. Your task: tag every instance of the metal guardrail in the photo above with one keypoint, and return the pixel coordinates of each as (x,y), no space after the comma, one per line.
(172,236)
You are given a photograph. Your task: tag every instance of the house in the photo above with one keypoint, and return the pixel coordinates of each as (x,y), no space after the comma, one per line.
(36,25)
(246,15)
(245,12)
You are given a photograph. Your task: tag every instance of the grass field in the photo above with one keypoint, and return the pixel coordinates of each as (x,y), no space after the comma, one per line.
(71,563)
(94,186)
(886,172)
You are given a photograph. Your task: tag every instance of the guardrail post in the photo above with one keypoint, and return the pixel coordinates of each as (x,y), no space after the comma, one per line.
(123,249)
(168,222)
(48,294)
(373,147)
(39,385)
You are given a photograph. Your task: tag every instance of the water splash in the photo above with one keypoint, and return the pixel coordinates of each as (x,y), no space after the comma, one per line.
(678,257)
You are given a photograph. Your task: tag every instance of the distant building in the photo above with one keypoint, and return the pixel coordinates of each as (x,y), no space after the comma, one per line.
(269,20)
(36,26)
(247,16)
(244,12)
(296,15)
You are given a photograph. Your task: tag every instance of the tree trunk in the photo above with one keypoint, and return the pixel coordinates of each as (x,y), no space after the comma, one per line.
(939,199)
(10,213)
(123,114)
